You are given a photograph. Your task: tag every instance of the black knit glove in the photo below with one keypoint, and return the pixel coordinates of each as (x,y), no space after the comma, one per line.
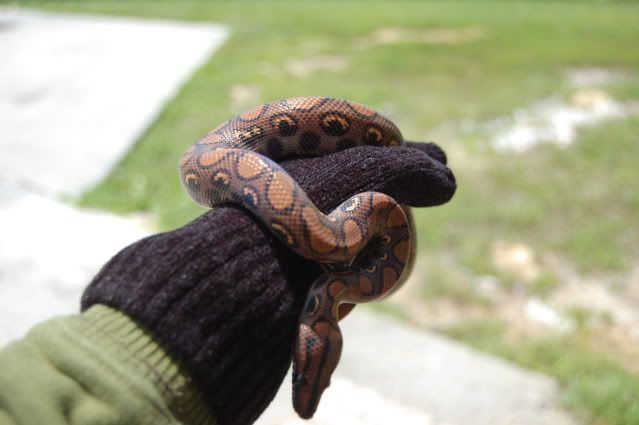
(224,296)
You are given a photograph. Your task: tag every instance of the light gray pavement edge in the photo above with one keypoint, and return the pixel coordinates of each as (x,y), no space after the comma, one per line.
(112,76)
(75,94)
(417,371)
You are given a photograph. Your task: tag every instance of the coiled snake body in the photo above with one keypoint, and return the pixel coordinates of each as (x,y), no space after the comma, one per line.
(365,244)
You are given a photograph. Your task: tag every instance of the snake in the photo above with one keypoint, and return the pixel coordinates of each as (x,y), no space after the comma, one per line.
(365,246)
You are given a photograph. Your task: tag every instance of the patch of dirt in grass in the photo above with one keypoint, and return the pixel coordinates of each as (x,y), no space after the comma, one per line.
(516,259)
(394,35)
(586,100)
(438,312)
(306,67)
(554,120)
(603,310)
(594,76)
(244,96)
(609,300)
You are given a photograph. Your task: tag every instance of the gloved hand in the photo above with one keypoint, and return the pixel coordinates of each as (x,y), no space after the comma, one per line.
(224,296)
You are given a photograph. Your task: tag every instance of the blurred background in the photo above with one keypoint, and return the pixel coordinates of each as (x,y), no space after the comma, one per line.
(535,260)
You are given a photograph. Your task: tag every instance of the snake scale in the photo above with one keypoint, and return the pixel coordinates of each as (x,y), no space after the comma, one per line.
(365,245)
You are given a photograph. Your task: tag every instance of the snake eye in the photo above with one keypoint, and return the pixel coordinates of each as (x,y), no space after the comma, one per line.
(334,123)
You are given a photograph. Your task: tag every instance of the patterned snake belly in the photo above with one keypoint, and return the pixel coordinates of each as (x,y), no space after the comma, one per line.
(364,244)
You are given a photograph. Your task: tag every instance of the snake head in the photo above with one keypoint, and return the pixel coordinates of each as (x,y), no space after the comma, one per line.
(317,353)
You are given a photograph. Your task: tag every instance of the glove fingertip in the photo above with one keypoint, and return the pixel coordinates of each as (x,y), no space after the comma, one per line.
(431,149)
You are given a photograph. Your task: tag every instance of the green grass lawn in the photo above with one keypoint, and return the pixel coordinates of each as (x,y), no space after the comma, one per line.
(580,202)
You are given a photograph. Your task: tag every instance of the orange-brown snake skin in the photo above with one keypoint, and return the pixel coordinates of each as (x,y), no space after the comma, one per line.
(364,244)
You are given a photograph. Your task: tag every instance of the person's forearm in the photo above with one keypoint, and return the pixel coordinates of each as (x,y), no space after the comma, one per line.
(219,293)
(97,367)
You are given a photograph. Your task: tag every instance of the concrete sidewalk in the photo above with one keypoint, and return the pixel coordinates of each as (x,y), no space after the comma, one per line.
(75,94)
(77,91)
(390,370)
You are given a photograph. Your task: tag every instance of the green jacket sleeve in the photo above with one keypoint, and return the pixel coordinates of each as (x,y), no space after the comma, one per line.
(99,367)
